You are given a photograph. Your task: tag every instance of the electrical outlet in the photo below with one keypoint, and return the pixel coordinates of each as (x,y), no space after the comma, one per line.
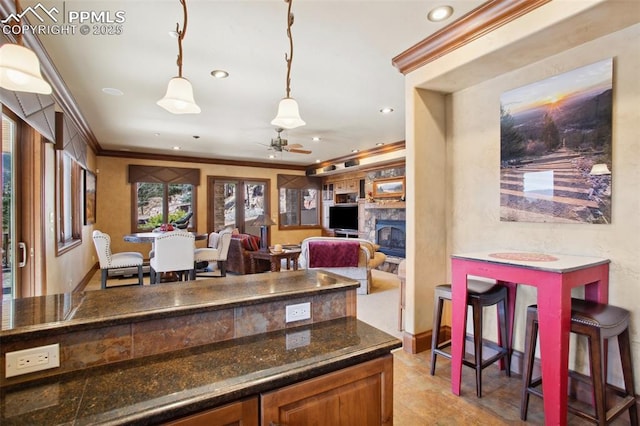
(299,312)
(33,359)
(298,339)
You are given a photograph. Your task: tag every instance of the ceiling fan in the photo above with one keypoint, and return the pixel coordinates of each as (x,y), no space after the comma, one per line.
(279,144)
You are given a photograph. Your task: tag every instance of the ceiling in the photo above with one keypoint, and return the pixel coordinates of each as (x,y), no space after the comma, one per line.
(341,73)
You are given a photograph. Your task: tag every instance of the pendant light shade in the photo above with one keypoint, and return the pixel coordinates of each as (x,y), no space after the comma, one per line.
(20,70)
(288,116)
(179,97)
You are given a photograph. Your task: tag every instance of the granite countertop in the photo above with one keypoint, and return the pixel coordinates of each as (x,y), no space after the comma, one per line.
(60,313)
(179,383)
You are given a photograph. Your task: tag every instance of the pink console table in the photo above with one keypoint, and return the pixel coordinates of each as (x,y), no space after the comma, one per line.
(554,276)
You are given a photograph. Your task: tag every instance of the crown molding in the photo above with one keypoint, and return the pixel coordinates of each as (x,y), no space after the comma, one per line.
(475,24)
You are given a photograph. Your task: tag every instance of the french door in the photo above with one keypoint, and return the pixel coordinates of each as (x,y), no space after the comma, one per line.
(21,167)
(236,203)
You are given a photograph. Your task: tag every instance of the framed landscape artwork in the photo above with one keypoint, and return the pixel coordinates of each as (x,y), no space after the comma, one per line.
(555,148)
(89,197)
(388,187)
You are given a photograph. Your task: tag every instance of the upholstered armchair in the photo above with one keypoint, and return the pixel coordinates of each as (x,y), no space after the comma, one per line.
(172,252)
(239,257)
(217,251)
(110,260)
(368,258)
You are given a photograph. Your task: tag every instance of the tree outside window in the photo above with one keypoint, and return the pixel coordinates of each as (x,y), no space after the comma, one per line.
(298,202)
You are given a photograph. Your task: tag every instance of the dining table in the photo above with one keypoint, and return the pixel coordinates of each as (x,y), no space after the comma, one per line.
(554,276)
(150,237)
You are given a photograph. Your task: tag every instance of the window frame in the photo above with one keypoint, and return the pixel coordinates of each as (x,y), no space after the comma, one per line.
(68,229)
(165,176)
(240,183)
(301,184)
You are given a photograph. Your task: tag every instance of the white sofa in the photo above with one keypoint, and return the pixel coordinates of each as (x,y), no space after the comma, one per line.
(368,259)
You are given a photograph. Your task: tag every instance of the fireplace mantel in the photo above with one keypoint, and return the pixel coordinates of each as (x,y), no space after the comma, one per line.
(385,205)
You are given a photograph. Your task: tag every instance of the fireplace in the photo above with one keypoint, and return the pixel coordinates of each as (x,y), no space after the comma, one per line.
(390,236)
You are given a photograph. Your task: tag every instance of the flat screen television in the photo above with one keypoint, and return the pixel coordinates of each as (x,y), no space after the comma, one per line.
(343,217)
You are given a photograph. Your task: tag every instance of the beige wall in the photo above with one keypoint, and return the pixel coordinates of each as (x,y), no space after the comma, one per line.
(114,199)
(64,272)
(472,200)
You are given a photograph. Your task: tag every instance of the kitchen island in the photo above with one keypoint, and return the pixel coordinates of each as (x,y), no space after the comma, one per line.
(193,349)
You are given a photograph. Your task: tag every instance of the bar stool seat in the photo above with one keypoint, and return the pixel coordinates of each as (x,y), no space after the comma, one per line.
(598,322)
(479,295)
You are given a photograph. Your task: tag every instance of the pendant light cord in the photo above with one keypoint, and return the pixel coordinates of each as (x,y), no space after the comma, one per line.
(289,58)
(181,33)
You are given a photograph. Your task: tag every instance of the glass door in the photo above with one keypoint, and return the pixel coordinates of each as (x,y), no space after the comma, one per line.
(10,250)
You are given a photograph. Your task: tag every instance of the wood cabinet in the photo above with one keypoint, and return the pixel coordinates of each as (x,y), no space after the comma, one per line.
(358,395)
(241,413)
(348,186)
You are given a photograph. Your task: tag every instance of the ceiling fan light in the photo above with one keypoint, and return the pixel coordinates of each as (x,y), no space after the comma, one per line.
(179,97)
(20,70)
(288,116)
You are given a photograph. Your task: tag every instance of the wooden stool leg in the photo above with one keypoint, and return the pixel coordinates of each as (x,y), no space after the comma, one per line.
(529,357)
(435,332)
(477,343)
(624,345)
(597,377)
(140,275)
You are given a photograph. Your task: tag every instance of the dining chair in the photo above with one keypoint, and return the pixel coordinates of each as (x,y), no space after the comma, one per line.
(217,251)
(109,260)
(173,252)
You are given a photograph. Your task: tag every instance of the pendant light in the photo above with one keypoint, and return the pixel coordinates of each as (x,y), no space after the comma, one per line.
(20,67)
(179,96)
(288,116)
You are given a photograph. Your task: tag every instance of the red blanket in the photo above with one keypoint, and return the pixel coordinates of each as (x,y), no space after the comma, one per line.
(331,254)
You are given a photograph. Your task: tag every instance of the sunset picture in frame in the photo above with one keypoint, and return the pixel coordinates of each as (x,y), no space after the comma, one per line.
(89,198)
(555,148)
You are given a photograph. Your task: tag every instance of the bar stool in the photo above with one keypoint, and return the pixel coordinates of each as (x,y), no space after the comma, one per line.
(598,322)
(479,295)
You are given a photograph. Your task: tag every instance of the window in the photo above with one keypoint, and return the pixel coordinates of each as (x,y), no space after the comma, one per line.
(298,202)
(68,202)
(236,203)
(163,195)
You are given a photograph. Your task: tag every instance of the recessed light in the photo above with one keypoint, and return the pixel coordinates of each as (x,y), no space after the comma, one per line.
(316,139)
(355,150)
(386,110)
(196,137)
(176,148)
(272,156)
(219,73)
(112,91)
(380,144)
(317,161)
(440,13)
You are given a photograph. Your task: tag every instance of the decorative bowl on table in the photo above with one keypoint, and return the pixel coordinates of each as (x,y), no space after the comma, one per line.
(276,249)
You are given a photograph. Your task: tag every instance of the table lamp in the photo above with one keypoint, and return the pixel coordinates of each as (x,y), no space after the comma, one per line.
(263,222)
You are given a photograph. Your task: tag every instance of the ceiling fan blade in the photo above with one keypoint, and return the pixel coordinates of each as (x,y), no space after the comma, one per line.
(295,145)
(299,151)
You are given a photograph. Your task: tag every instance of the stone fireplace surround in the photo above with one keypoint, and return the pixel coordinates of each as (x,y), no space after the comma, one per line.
(381,211)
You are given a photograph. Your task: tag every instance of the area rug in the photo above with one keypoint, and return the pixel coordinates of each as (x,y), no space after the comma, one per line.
(380,307)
